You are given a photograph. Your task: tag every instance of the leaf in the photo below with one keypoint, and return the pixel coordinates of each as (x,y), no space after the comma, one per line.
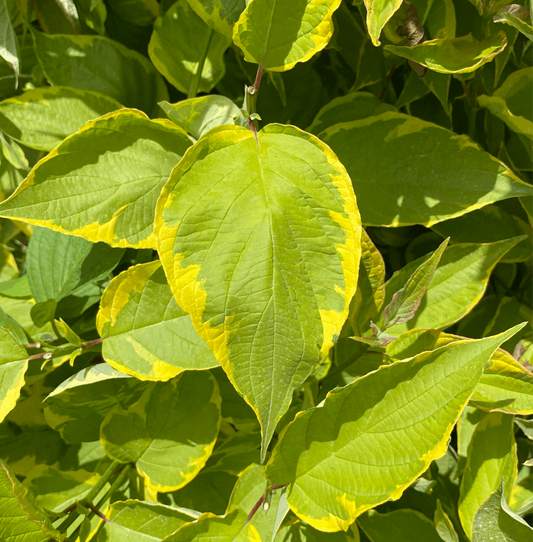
(486,225)
(491,456)
(137,12)
(378,14)
(387,156)
(198,115)
(13,365)
(506,386)
(510,102)
(78,406)
(21,519)
(459,55)
(444,526)
(43,117)
(169,433)
(406,301)
(16,330)
(211,528)
(400,525)
(495,519)
(250,276)
(221,15)
(9,48)
(89,199)
(179,43)
(456,287)
(59,264)
(99,64)
(146,333)
(20,310)
(278,35)
(250,487)
(43,312)
(353,106)
(235,454)
(350,444)
(370,293)
(56,489)
(517,19)
(143,521)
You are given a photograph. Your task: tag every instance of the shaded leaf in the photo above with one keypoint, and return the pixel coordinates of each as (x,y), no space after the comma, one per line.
(9,49)
(252,276)
(491,456)
(221,15)
(43,117)
(100,64)
(388,155)
(179,42)
(456,287)
(378,13)
(296,30)
(169,433)
(459,55)
(495,521)
(444,526)
(198,115)
(146,333)
(349,445)
(518,17)
(112,172)
(77,407)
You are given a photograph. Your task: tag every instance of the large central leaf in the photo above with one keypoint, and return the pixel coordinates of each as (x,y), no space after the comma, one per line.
(260,242)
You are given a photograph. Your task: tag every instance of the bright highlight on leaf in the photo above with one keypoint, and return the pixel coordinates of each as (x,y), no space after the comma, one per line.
(267,302)
(372,438)
(111,174)
(278,35)
(146,333)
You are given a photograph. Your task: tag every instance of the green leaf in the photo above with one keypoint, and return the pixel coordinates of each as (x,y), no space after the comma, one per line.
(487,225)
(370,293)
(457,285)
(77,407)
(235,453)
(102,65)
(351,443)
(169,433)
(400,525)
(56,489)
(13,365)
(301,532)
(280,34)
(20,310)
(112,172)
(390,155)
(378,14)
(20,518)
(198,115)
(444,526)
(16,288)
(514,18)
(142,521)
(59,264)
(43,312)
(491,456)
(250,487)
(13,153)
(506,386)
(353,106)
(13,327)
(137,12)
(43,117)
(250,276)
(179,43)
(406,301)
(221,15)
(494,521)
(211,528)
(510,102)
(459,55)
(146,333)
(9,49)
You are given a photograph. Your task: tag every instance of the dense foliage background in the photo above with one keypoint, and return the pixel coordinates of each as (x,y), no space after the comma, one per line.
(183,280)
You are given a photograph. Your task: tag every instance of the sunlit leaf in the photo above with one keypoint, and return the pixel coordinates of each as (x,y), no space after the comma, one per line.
(346,453)
(112,172)
(250,275)
(221,15)
(146,333)
(378,13)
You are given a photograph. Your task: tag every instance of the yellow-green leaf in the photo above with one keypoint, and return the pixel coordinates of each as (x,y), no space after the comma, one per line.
(378,13)
(371,439)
